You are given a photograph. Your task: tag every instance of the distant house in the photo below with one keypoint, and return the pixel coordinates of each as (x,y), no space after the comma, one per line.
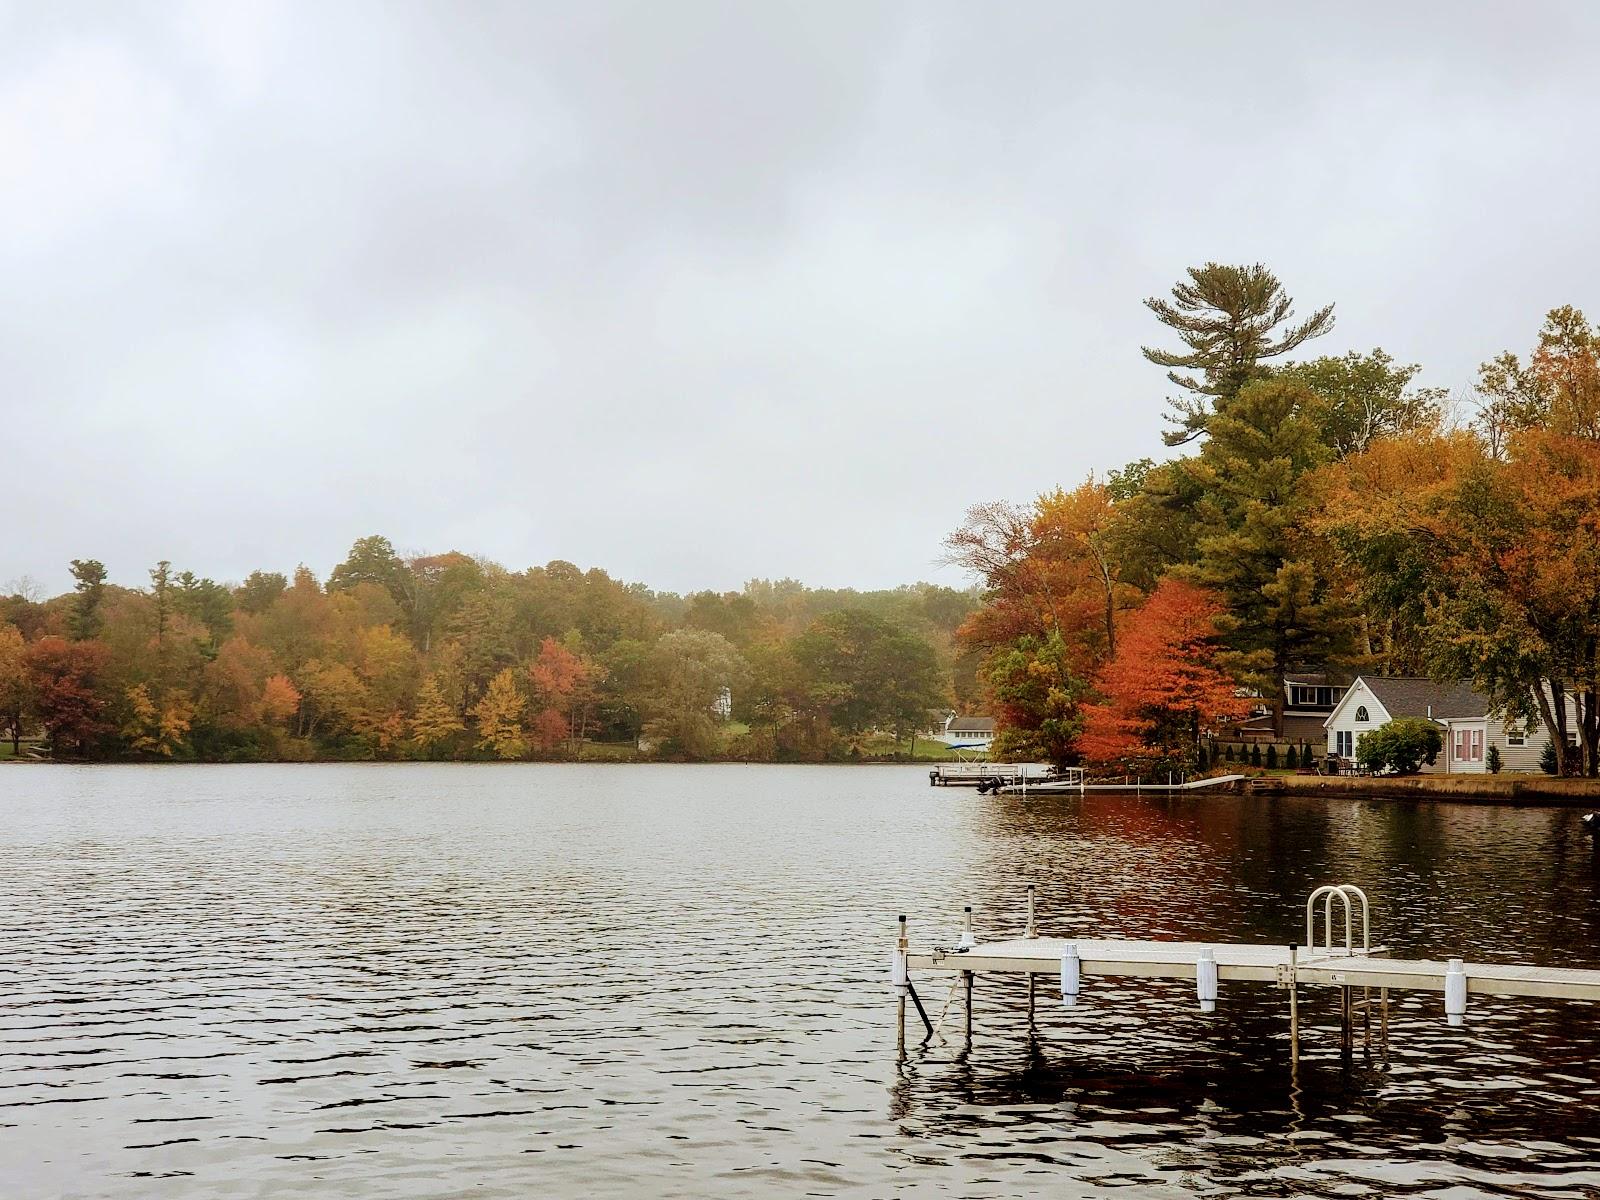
(1308,698)
(968,733)
(1460,711)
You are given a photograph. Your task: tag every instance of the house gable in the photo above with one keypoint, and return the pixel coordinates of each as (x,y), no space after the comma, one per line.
(1360,695)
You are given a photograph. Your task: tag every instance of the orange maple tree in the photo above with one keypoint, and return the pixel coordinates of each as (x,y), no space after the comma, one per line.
(1162,688)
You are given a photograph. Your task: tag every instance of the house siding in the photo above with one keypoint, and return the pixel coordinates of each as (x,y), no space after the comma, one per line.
(1343,717)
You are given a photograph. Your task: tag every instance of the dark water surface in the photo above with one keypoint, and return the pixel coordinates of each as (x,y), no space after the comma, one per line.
(362,981)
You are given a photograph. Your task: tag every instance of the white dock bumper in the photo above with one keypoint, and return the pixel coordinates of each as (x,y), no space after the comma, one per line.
(1455,993)
(1205,980)
(899,972)
(1071,974)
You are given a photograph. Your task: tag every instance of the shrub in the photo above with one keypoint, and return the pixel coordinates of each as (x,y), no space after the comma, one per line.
(1228,754)
(1255,755)
(1493,761)
(1547,759)
(1272,757)
(1200,758)
(1291,758)
(1401,746)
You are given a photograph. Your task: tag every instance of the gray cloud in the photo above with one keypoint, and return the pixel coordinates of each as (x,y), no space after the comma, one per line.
(699,291)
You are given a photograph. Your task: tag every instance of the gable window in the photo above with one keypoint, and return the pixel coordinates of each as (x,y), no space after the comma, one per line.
(1361,714)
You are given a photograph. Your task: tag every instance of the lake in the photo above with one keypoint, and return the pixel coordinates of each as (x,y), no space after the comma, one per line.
(419,980)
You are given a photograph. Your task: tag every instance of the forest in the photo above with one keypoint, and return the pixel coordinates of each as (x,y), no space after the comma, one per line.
(452,657)
(1313,513)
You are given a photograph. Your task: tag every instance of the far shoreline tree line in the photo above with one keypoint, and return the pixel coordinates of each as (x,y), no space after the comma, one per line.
(1320,514)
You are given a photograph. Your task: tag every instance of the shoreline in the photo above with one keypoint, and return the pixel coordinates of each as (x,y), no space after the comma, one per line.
(1519,790)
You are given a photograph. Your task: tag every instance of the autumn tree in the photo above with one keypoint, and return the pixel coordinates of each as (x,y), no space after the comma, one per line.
(1164,689)
(562,687)
(156,726)
(64,680)
(1229,319)
(13,685)
(434,721)
(499,717)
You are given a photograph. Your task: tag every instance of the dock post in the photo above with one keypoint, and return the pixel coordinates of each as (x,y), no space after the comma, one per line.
(1030,998)
(1294,1007)
(1033,929)
(902,984)
(1346,1038)
(966,978)
(968,938)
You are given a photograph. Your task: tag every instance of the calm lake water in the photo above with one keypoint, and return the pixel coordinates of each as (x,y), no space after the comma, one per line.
(363,981)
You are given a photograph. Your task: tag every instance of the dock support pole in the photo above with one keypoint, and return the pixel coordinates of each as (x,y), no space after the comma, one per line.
(966,978)
(902,984)
(1294,1008)
(1033,928)
(1030,998)
(1346,1038)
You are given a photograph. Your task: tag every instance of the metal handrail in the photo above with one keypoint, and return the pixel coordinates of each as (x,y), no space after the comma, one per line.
(1344,891)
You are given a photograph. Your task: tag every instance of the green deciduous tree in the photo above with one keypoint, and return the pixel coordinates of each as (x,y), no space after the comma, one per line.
(689,670)
(1366,397)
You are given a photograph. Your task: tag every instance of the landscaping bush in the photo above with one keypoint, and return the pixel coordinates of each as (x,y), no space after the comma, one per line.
(1401,746)
(1228,754)
(1547,760)
(1272,757)
(1291,758)
(1493,761)
(1255,755)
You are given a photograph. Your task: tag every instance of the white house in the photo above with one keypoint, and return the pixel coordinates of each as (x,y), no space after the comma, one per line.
(968,733)
(1461,713)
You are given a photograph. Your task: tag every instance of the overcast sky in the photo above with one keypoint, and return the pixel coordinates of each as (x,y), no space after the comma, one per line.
(701,292)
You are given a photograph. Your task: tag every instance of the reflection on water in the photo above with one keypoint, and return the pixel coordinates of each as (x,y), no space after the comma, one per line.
(622,981)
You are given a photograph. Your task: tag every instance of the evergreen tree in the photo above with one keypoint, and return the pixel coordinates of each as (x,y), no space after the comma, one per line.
(1251,540)
(1229,319)
(89,581)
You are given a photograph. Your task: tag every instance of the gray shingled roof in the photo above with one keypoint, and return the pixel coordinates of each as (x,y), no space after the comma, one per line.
(1409,697)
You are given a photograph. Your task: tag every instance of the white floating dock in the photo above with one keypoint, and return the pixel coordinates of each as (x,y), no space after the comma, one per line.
(1258,964)
(1348,963)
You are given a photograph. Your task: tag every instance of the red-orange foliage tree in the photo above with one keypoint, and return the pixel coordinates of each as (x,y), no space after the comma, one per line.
(64,678)
(1162,688)
(562,686)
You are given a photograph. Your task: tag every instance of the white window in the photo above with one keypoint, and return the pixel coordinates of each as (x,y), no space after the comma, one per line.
(1341,743)
(1516,736)
(1361,714)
